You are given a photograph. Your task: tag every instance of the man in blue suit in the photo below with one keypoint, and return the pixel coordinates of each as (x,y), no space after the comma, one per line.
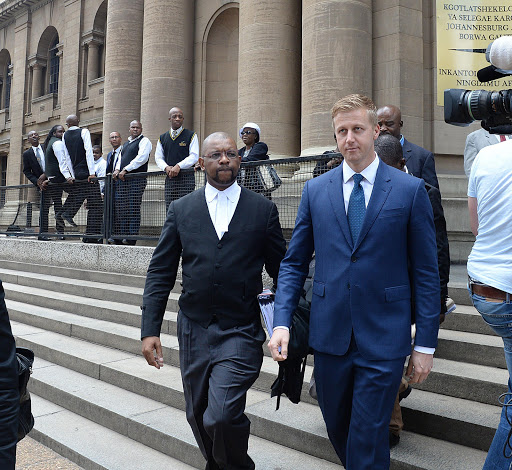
(372,231)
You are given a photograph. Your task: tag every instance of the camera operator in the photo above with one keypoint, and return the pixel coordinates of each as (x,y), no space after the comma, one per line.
(475,142)
(490,276)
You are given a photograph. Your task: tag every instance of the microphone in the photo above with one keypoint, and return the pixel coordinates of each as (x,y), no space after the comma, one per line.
(500,53)
(490,73)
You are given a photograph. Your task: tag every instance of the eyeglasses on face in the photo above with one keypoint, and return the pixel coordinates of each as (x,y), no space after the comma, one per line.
(231,154)
(248,132)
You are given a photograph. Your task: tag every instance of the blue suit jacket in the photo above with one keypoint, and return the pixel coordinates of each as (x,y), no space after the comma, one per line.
(365,287)
(420,163)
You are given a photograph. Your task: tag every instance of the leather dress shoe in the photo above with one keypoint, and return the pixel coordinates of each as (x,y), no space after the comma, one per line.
(394,439)
(405,393)
(43,238)
(67,218)
(61,237)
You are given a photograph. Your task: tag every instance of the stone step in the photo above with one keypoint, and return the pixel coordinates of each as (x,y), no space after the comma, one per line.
(128,280)
(130,372)
(150,422)
(298,426)
(458,291)
(91,445)
(453,185)
(473,348)
(466,318)
(72,287)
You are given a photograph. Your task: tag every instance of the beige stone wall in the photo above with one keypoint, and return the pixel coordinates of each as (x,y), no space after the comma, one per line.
(280,63)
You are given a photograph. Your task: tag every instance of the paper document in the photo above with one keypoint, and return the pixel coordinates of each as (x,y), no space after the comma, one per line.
(266,301)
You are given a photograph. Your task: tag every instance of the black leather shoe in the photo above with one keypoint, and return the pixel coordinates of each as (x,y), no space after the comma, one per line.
(394,439)
(405,393)
(61,237)
(68,219)
(43,238)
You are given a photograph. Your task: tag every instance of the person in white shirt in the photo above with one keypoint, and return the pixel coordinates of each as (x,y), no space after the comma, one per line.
(100,166)
(489,265)
(134,159)
(224,235)
(176,150)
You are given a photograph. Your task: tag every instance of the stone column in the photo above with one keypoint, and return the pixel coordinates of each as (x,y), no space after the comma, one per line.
(37,75)
(167,61)
(18,96)
(336,61)
(123,66)
(92,61)
(269,72)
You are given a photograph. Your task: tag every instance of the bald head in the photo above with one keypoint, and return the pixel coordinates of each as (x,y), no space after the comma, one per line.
(390,120)
(220,160)
(72,120)
(213,139)
(176,117)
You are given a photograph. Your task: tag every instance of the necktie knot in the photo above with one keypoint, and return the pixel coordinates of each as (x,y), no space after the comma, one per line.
(357,178)
(356,208)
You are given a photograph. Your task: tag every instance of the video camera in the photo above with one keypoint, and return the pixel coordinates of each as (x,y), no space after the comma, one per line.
(493,108)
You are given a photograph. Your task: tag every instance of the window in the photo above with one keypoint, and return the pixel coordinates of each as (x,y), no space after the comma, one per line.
(54,67)
(7,96)
(3,178)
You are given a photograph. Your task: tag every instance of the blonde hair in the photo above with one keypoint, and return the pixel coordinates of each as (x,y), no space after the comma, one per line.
(356,101)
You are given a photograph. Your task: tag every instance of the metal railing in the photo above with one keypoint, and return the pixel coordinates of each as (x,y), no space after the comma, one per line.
(123,212)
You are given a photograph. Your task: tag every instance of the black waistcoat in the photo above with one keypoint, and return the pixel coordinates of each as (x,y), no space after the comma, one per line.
(50,160)
(129,152)
(178,149)
(76,150)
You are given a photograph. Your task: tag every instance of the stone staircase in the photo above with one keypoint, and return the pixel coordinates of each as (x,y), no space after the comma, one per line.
(97,402)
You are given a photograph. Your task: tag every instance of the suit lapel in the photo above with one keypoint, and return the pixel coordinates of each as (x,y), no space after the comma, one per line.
(406,149)
(379,195)
(206,224)
(335,191)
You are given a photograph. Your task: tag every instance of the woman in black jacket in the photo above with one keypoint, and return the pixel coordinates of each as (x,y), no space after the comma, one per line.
(253,151)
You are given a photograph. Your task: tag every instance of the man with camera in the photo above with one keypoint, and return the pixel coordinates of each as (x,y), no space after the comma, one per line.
(490,276)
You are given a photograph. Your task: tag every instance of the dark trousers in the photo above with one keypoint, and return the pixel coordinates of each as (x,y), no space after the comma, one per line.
(9,409)
(130,194)
(217,368)
(178,186)
(78,193)
(356,396)
(52,194)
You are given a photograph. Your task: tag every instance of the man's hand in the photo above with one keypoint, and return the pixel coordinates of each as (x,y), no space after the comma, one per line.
(115,174)
(419,367)
(172,171)
(70,180)
(280,339)
(150,344)
(90,178)
(122,174)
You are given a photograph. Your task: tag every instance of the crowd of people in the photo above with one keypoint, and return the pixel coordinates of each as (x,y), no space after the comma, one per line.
(67,162)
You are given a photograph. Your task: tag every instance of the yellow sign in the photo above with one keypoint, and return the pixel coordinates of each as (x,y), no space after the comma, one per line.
(464,30)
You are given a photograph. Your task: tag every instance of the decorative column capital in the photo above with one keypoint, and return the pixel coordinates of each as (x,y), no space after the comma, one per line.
(36,61)
(93,38)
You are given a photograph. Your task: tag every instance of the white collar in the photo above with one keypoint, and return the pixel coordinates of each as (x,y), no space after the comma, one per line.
(232,192)
(177,131)
(369,173)
(131,139)
(72,128)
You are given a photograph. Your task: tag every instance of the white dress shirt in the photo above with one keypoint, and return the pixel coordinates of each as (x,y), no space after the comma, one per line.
(38,152)
(221,212)
(367,182)
(66,168)
(187,162)
(61,153)
(100,168)
(142,157)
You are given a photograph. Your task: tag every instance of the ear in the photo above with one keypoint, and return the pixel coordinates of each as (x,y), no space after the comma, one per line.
(201,162)
(401,124)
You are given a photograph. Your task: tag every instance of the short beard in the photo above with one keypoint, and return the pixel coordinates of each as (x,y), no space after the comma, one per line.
(225,182)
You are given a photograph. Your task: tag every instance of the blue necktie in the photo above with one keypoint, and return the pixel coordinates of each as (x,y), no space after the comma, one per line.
(356,208)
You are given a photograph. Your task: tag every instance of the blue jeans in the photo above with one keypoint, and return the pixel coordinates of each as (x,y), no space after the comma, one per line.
(498,315)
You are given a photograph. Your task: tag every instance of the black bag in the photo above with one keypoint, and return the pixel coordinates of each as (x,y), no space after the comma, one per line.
(26,420)
(291,371)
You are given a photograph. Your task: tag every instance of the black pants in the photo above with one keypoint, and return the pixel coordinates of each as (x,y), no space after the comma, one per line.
(52,194)
(78,193)
(129,194)
(9,409)
(217,368)
(178,186)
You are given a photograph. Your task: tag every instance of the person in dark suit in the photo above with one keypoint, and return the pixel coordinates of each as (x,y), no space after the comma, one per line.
(34,170)
(390,151)
(254,151)
(224,235)
(420,162)
(112,158)
(372,231)
(115,153)
(9,394)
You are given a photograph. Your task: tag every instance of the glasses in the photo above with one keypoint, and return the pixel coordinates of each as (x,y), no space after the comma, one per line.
(218,155)
(248,132)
